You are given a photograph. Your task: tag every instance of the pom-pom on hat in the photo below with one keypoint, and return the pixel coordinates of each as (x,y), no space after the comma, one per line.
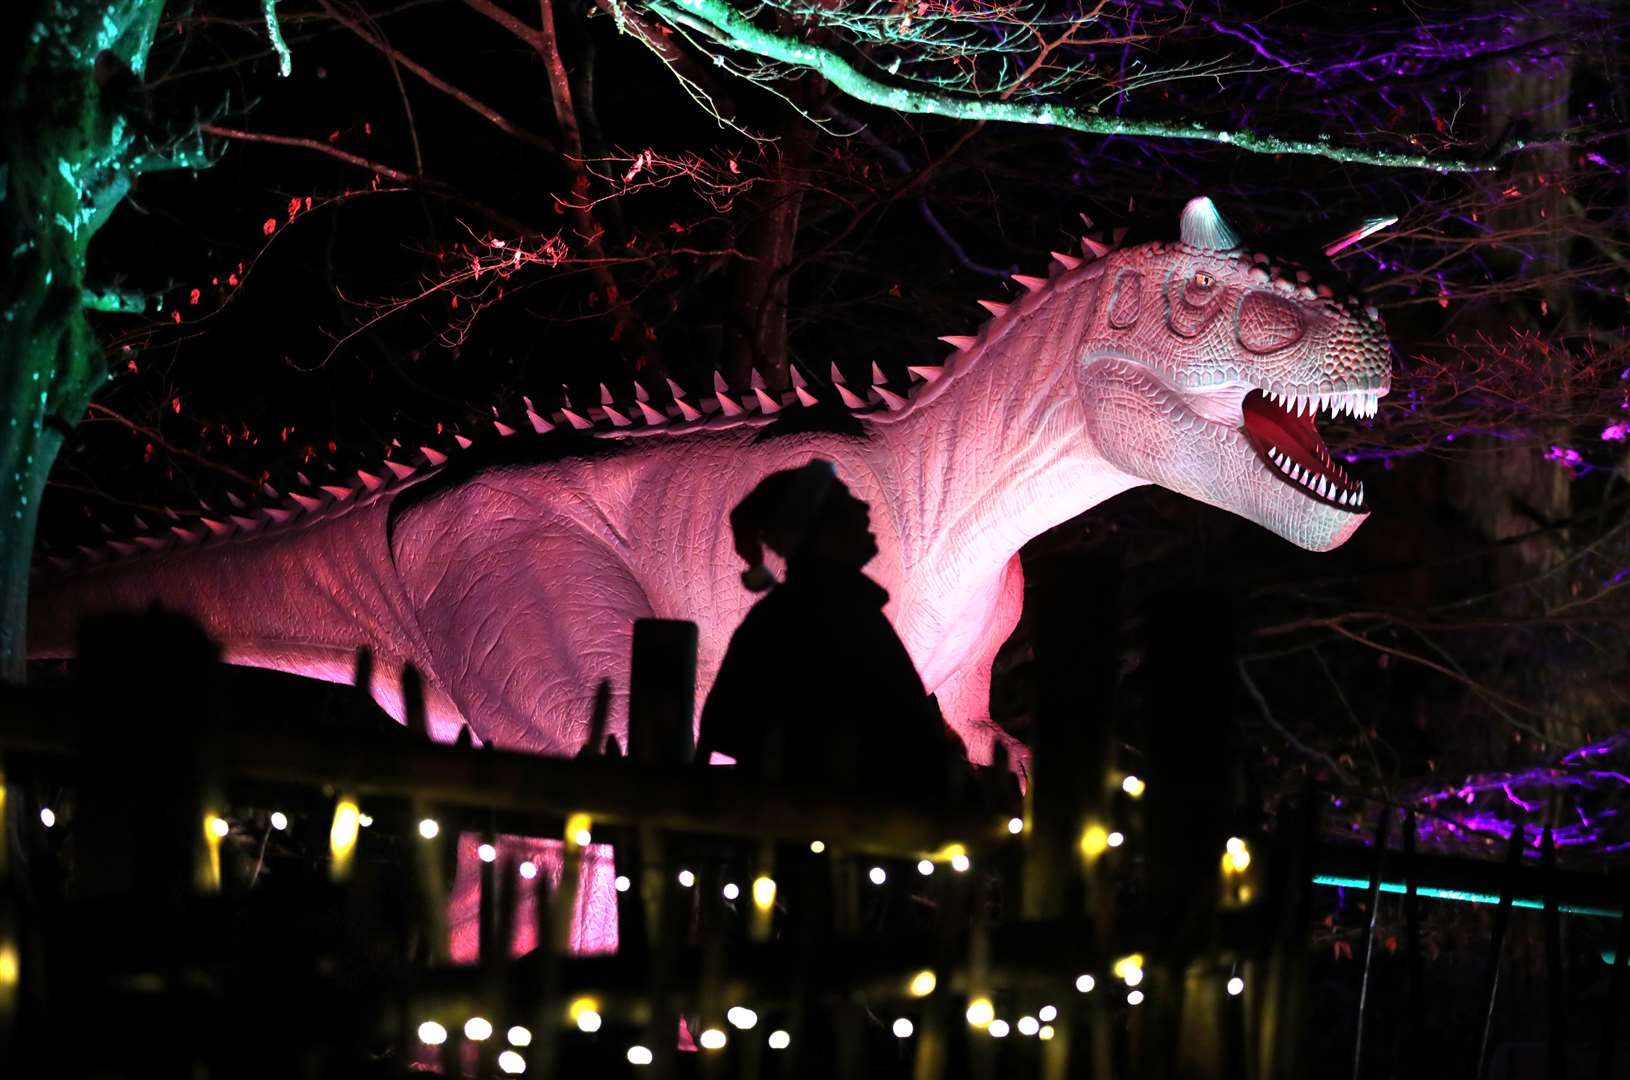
(776,514)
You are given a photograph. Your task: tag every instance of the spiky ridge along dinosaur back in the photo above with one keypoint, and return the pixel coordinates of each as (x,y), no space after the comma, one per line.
(514,585)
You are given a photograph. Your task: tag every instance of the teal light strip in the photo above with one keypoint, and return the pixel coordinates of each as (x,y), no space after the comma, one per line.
(1462,896)
(720,21)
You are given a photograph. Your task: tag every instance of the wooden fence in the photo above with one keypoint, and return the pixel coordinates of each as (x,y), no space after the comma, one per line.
(1112,926)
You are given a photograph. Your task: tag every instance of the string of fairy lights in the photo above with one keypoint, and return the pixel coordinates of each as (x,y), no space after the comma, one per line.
(585,1013)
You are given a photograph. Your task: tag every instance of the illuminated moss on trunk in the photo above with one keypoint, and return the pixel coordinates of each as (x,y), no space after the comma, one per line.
(71,154)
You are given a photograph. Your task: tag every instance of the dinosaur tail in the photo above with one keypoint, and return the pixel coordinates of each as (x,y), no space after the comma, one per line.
(300,597)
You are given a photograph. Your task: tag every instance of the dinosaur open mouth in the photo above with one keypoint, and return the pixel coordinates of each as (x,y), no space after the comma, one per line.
(1280,426)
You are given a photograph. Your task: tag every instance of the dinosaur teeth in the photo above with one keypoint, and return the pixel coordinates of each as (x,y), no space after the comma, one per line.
(1031,284)
(995,307)
(959,341)
(652,416)
(926,373)
(766,403)
(435,457)
(1068,262)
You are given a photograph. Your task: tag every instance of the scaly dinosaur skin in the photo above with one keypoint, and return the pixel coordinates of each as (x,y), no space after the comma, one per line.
(514,588)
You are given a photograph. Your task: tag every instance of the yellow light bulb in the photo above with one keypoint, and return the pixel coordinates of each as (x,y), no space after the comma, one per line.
(981,1012)
(342,835)
(712,1039)
(1133,786)
(763,892)
(579,829)
(1094,841)
(582,1005)
(923,983)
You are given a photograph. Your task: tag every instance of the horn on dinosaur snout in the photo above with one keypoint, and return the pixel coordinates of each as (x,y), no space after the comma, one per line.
(1203,227)
(1370,227)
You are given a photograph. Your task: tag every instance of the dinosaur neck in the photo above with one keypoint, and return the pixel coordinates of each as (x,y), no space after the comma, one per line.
(1008,440)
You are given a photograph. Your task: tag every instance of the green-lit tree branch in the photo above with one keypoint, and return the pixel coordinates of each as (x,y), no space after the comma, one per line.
(722,23)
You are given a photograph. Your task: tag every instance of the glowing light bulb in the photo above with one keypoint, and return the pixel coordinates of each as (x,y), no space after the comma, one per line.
(432,1033)
(280,820)
(511,1062)
(429,828)
(529,870)
(779,1040)
(1135,998)
(622,883)
(218,826)
(48,816)
(1133,786)
(588,1021)
(1093,841)
(1085,983)
(342,834)
(1115,839)
(1047,1014)
(1028,1025)
(877,875)
(487,853)
(1015,825)
(731,890)
(519,1036)
(981,1012)
(712,1039)
(578,828)
(478,1029)
(686,878)
(1127,964)
(1132,976)
(763,893)
(742,1017)
(1236,986)
(1046,1032)
(998,1029)
(1239,856)
(365,820)
(903,1028)
(925,867)
(1235,845)
(923,983)
(639,1055)
(817,846)
(960,863)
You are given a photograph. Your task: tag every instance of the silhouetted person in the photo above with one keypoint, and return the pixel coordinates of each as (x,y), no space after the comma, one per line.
(816,687)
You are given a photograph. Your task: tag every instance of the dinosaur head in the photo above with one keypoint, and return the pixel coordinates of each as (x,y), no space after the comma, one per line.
(1207,370)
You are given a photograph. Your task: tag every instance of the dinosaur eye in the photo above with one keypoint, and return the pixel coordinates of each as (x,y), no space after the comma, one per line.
(1203,279)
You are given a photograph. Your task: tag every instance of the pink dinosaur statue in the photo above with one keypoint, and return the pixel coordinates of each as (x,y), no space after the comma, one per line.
(514,586)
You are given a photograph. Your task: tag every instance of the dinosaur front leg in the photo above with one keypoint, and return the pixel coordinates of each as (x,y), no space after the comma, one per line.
(964,696)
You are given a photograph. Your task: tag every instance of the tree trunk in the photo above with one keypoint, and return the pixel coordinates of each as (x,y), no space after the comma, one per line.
(71,151)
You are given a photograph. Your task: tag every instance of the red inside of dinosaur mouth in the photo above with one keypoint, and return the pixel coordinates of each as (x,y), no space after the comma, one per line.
(1289,444)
